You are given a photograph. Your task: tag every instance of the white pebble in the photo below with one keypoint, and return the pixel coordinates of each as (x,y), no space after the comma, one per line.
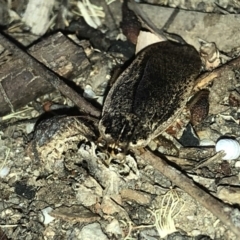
(206,142)
(88,92)
(4,171)
(46,218)
(237,164)
(231,148)
(100,100)
(195,232)
(29,127)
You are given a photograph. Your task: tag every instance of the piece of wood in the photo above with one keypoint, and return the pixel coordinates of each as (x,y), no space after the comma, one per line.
(22,78)
(61,55)
(194,25)
(42,10)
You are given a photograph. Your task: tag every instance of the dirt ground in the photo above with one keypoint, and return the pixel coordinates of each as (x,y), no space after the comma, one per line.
(57,180)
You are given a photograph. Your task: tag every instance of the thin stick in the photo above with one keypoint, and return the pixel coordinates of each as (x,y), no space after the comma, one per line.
(206,78)
(188,185)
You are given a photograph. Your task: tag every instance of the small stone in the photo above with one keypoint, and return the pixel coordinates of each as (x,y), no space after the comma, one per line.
(46,218)
(92,231)
(195,232)
(237,164)
(29,127)
(89,93)
(114,228)
(4,171)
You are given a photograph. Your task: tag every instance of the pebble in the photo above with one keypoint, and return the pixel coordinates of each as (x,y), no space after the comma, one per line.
(230,146)
(46,218)
(4,171)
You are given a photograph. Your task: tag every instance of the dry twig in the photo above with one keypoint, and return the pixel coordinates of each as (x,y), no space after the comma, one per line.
(208,201)
(206,78)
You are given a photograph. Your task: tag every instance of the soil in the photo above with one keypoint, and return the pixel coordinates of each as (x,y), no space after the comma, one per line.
(59,181)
